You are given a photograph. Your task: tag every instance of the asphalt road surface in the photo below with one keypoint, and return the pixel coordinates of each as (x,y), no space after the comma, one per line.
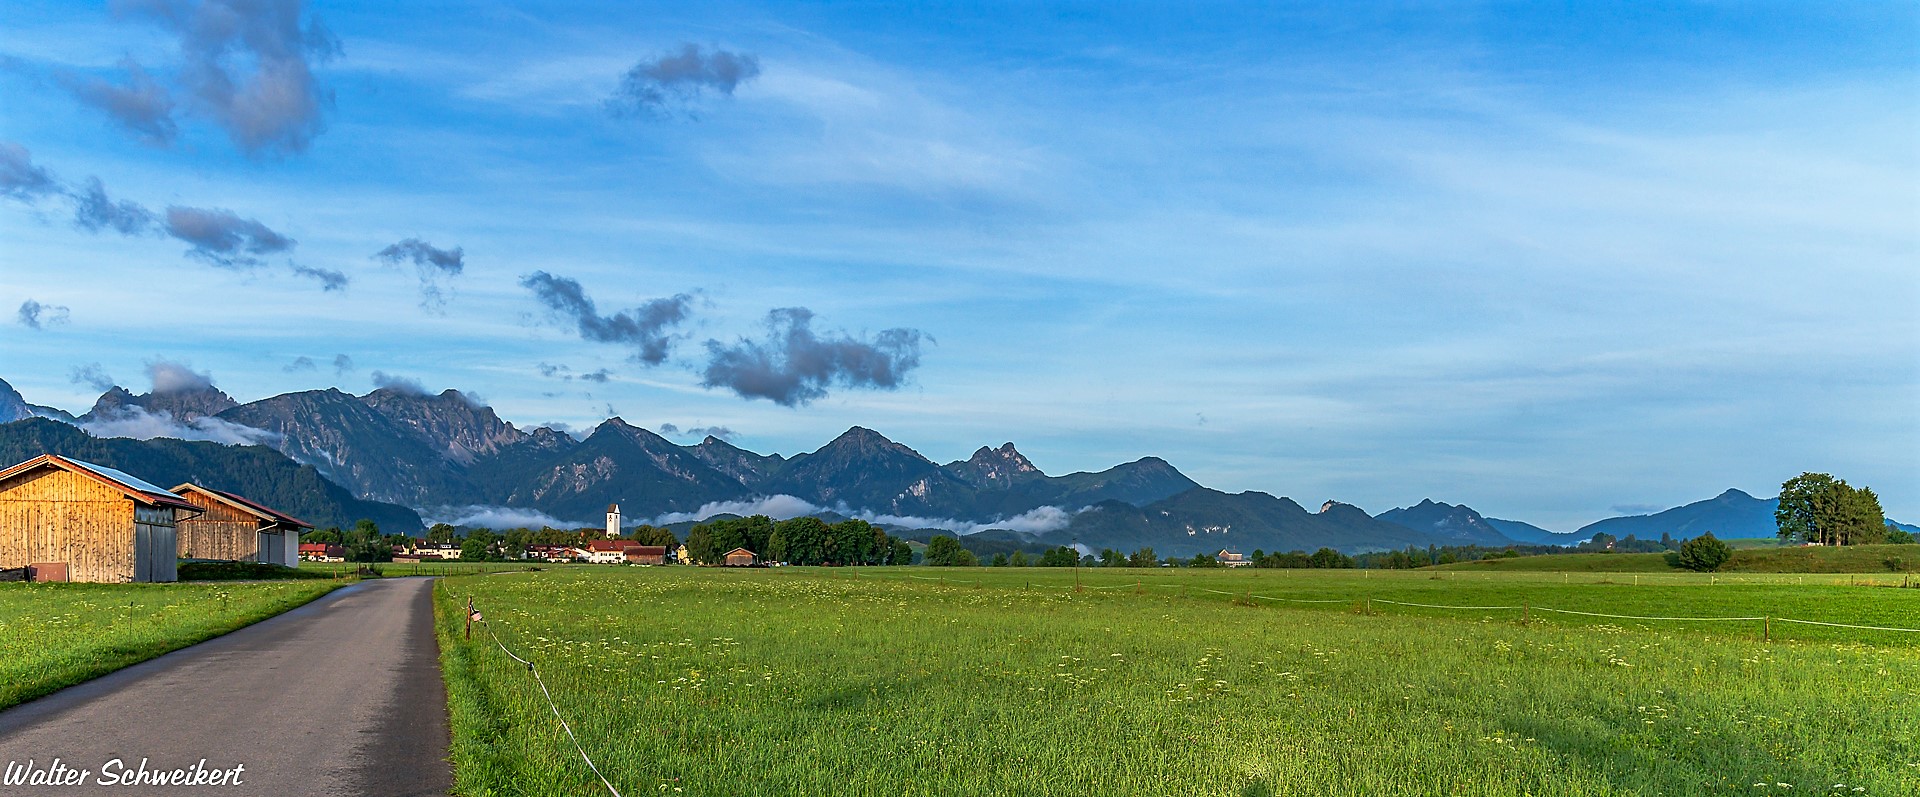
(339,697)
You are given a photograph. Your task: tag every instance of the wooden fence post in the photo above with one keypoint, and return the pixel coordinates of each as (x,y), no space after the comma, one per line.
(469,617)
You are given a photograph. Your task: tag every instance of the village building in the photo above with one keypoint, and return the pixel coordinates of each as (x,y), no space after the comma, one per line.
(613,521)
(740,557)
(438,550)
(1231,559)
(647,555)
(232,528)
(322,552)
(64,519)
(606,552)
(549,553)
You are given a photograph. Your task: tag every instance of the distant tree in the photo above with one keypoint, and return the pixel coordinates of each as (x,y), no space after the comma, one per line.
(1899,536)
(474,549)
(809,540)
(1143,558)
(441,532)
(1817,508)
(700,545)
(328,536)
(1704,553)
(1018,559)
(1203,560)
(852,542)
(943,551)
(654,535)
(1448,558)
(1330,558)
(1112,558)
(902,553)
(1000,559)
(1061,556)
(966,559)
(366,528)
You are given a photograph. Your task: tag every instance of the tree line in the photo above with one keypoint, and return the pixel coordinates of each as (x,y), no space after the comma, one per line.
(798,541)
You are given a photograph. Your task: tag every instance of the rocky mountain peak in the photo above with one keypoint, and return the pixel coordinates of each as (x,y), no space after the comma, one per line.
(450,422)
(183,403)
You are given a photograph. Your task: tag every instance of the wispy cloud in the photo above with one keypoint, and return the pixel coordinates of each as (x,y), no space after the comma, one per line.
(329,279)
(20,178)
(94,211)
(496,517)
(245,65)
(434,265)
(138,423)
(342,364)
(399,384)
(299,364)
(170,376)
(222,238)
(674,82)
(34,315)
(93,376)
(793,366)
(644,327)
(140,103)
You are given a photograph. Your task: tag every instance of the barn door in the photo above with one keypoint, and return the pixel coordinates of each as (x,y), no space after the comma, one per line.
(142,552)
(166,554)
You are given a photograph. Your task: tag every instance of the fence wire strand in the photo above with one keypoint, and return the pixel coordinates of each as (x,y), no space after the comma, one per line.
(550,704)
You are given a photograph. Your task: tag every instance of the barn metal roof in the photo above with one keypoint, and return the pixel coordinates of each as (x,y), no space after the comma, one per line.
(135,488)
(247,505)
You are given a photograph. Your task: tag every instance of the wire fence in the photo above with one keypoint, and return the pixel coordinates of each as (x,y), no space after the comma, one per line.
(473,614)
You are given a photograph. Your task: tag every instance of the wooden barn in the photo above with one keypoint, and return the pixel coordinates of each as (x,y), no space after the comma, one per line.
(235,529)
(101,524)
(646,554)
(740,557)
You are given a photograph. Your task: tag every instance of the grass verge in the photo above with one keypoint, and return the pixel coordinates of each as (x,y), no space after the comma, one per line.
(56,635)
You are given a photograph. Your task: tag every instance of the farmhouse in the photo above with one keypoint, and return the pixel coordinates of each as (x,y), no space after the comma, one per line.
(1231,559)
(322,552)
(96,523)
(235,529)
(606,552)
(647,555)
(740,557)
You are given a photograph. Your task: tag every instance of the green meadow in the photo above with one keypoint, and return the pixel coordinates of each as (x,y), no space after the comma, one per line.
(927,681)
(56,635)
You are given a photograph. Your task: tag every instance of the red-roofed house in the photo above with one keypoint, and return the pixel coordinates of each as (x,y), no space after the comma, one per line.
(96,523)
(322,552)
(606,552)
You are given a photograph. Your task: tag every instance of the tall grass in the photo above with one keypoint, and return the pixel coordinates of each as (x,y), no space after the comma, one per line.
(57,635)
(826,682)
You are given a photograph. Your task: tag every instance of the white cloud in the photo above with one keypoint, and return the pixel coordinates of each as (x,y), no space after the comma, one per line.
(140,424)
(496,517)
(1033,521)
(778,507)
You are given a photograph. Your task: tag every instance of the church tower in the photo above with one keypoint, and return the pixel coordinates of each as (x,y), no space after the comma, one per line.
(613,521)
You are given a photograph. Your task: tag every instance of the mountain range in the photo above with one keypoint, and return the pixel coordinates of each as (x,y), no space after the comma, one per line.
(399,454)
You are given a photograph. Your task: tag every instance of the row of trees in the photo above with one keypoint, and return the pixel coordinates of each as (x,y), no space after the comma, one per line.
(799,541)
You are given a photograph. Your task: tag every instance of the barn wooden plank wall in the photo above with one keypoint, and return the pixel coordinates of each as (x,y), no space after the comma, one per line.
(222,533)
(54,516)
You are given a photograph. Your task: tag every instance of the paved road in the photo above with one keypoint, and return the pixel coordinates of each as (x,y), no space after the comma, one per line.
(339,697)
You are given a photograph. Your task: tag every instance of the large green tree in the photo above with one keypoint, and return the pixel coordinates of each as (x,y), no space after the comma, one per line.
(1817,508)
(943,551)
(1703,554)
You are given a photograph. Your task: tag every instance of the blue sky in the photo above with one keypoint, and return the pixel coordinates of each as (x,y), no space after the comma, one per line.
(1553,263)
